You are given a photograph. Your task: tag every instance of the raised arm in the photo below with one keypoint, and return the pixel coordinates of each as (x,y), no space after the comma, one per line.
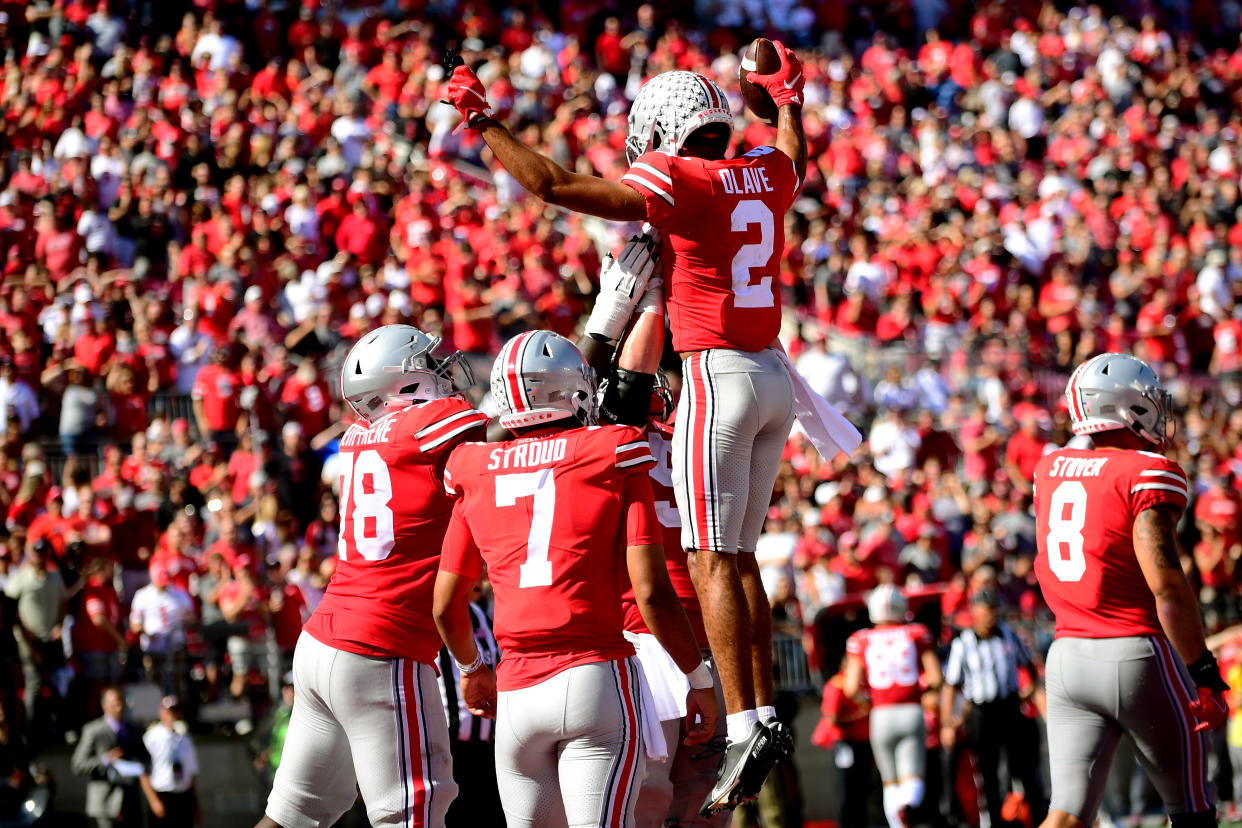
(785,87)
(538,174)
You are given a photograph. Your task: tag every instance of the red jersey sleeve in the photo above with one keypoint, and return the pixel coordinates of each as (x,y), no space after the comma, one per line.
(200,383)
(856,644)
(642,527)
(633,450)
(1156,482)
(651,176)
(460,554)
(437,434)
(922,638)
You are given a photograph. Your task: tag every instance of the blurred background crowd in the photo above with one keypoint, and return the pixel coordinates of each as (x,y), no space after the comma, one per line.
(203,203)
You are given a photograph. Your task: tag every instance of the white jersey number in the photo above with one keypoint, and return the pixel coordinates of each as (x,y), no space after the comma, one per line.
(1067,514)
(892,661)
(662,473)
(537,571)
(366,489)
(745,295)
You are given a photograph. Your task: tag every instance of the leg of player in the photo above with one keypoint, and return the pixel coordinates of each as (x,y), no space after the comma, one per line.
(728,624)
(760,631)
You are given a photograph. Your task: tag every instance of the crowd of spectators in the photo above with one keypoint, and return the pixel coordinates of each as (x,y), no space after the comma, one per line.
(199,209)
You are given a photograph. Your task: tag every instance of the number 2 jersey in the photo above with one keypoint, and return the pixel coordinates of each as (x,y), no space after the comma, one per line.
(394,513)
(893,657)
(723,224)
(1085,505)
(552,514)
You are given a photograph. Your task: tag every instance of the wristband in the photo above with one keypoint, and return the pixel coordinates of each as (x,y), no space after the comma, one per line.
(1206,673)
(472,667)
(701,677)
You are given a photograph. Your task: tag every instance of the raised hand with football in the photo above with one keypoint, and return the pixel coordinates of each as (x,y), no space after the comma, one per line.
(770,76)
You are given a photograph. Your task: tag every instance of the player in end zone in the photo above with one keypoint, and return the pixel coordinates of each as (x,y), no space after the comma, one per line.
(368,716)
(722,233)
(1129,657)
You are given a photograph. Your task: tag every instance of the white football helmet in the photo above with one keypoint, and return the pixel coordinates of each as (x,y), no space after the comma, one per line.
(540,377)
(668,108)
(1113,391)
(393,367)
(886,605)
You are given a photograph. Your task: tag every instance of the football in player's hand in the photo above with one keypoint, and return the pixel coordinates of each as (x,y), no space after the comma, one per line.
(761,58)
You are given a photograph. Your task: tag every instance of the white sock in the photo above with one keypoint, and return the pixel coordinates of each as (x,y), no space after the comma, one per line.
(738,725)
(912,791)
(892,805)
(767,713)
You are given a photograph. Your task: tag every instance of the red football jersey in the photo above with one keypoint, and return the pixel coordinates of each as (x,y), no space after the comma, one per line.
(552,515)
(726,240)
(394,513)
(1085,505)
(660,438)
(893,657)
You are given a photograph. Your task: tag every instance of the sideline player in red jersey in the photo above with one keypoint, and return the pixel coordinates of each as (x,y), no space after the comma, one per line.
(1127,621)
(890,656)
(561,515)
(720,264)
(368,715)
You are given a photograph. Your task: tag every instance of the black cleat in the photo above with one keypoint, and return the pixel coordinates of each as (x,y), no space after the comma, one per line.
(742,771)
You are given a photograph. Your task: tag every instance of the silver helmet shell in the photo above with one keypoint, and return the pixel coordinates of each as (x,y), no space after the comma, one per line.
(668,108)
(540,377)
(1113,391)
(393,367)
(886,605)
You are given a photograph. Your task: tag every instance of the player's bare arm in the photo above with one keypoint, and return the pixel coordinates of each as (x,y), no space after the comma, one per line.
(451,610)
(785,87)
(1155,546)
(931,670)
(664,616)
(852,676)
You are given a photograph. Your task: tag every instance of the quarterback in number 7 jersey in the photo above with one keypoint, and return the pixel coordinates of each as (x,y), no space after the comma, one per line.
(368,715)
(562,517)
(1129,657)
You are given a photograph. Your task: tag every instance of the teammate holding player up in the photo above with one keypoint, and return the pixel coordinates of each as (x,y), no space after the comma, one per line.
(368,715)
(1127,621)
(561,516)
(722,233)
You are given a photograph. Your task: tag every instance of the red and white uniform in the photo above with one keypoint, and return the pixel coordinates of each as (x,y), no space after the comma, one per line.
(726,242)
(394,514)
(1085,505)
(368,715)
(893,659)
(1111,671)
(551,514)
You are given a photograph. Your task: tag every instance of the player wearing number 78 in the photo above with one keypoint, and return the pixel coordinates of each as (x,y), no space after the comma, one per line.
(368,715)
(563,517)
(1127,621)
(722,225)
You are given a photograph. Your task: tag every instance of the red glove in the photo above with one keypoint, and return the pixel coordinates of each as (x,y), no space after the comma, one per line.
(466,92)
(785,84)
(1210,709)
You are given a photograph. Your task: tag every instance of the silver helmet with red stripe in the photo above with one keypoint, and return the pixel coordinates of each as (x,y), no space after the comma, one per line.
(540,377)
(1113,391)
(395,366)
(668,108)
(886,605)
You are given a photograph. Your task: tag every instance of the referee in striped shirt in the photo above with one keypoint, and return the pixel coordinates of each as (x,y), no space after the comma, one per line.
(983,668)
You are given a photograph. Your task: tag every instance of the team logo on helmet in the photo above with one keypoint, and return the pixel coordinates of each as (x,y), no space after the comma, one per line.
(540,377)
(1113,391)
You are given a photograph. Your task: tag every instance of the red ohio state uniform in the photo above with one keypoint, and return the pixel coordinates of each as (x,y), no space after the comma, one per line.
(533,510)
(660,437)
(394,514)
(1085,506)
(893,657)
(726,241)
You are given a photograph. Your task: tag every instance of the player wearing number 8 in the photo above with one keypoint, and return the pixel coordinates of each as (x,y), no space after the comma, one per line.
(722,225)
(562,517)
(367,715)
(1127,621)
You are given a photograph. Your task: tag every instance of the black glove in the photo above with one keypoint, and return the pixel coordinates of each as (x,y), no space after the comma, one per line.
(1206,673)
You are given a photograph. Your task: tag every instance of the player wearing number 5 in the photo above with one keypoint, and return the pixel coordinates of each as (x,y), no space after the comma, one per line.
(890,657)
(1127,622)
(563,517)
(722,225)
(367,715)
